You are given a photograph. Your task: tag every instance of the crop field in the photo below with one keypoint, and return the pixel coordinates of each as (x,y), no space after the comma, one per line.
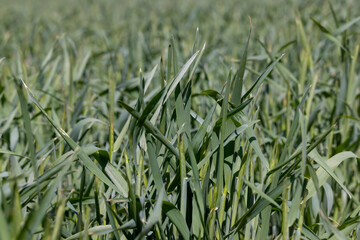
(179,119)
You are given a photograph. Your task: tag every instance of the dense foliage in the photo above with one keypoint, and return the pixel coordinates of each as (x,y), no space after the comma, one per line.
(179,119)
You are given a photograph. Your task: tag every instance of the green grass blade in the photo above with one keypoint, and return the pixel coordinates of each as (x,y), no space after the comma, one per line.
(111,217)
(111,114)
(346,26)
(81,154)
(34,219)
(197,61)
(175,82)
(259,206)
(154,217)
(176,218)
(261,193)
(59,219)
(4,233)
(4,151)
(261,78)
(151,129)
(239,76)
(27,125)
(102,230)
(323,175)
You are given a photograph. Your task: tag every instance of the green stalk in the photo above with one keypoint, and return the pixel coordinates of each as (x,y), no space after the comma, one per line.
(111,114)
(285,212)
(183,181)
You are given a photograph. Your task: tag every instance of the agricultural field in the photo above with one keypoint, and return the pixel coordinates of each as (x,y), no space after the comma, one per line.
(179,119)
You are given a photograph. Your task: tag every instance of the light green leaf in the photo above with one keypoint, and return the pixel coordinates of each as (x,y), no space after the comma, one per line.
(323,175)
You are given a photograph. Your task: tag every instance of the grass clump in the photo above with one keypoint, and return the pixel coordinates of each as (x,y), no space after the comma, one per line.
(115,126)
